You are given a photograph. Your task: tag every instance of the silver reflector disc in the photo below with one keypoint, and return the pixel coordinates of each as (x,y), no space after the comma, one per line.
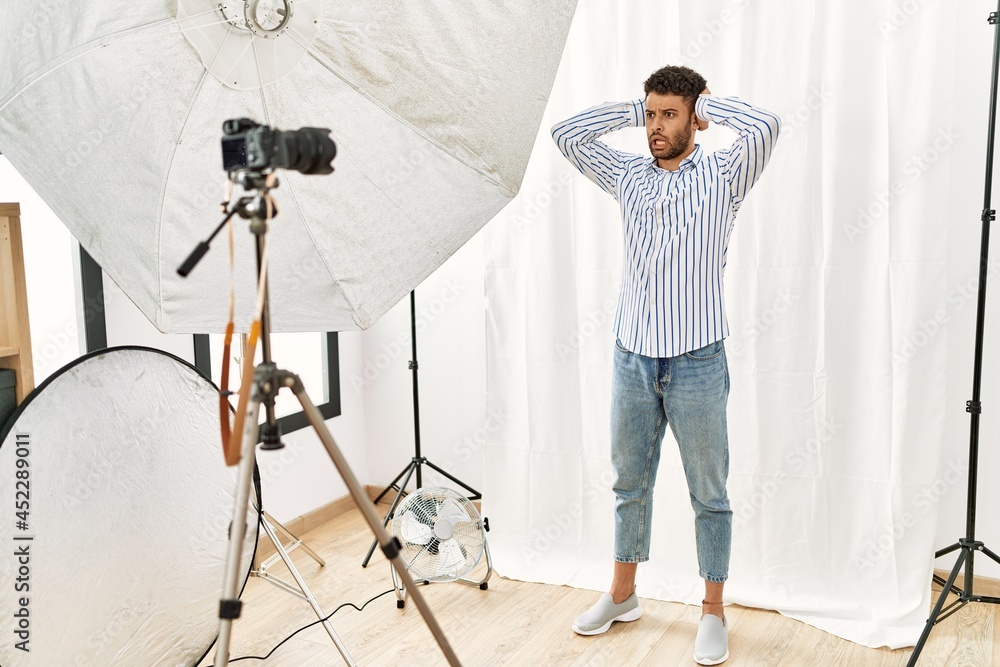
(114,511)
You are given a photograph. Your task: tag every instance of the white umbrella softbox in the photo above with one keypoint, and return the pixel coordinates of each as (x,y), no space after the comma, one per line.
(112,111)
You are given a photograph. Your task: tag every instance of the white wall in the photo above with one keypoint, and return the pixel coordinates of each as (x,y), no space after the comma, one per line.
(49,250)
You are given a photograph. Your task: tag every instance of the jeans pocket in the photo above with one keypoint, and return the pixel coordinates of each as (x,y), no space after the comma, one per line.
(710,351)
(621,348)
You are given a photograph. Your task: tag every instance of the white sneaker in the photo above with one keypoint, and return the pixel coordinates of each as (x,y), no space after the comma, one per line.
(598,619)
(711,646)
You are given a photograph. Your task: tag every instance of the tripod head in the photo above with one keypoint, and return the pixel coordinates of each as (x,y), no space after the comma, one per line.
(259,205)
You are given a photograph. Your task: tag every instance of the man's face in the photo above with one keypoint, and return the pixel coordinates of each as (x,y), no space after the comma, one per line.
(670,126)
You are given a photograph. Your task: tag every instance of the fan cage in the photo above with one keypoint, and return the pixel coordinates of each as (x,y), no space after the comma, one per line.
(440,533)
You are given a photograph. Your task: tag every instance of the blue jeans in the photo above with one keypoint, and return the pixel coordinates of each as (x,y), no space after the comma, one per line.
(689,393)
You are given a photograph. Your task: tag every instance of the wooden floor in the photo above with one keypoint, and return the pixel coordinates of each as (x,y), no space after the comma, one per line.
(523,624)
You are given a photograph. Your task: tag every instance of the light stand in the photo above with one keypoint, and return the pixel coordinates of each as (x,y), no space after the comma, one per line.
(969,545)
(267,381)
(418,459)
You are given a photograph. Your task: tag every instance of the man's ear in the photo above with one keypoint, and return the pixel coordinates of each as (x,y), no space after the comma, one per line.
(698,125)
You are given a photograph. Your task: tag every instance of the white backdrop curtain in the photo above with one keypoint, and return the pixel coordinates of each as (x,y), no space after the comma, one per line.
(836,281)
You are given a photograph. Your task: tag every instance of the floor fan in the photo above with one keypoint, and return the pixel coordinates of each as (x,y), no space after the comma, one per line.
(442,538)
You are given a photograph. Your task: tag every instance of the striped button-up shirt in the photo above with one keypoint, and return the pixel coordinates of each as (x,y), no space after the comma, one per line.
(676,223)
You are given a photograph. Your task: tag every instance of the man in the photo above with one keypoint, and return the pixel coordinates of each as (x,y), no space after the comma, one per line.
(677,209)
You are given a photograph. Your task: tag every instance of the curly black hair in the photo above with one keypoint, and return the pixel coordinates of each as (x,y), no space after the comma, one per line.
(676,80)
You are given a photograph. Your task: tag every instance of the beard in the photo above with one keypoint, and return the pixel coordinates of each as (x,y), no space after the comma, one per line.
(675,146)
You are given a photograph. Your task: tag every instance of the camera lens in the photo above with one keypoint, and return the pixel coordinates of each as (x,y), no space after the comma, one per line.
(310,150)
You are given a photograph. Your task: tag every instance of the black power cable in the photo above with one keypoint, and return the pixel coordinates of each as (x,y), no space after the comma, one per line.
(260,513)
(306,627)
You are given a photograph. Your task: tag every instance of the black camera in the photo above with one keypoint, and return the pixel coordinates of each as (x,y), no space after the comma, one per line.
(250,146)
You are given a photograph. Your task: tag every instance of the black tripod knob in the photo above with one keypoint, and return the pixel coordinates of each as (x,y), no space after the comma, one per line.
(270,436)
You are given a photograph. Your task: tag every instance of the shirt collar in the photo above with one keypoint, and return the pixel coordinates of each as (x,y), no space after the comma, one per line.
(690,162)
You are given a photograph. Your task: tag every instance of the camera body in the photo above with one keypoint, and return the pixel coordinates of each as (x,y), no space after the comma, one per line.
(248,146)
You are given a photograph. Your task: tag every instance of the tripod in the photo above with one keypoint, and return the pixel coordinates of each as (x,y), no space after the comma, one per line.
(418,460)
(968,546)
(268,379)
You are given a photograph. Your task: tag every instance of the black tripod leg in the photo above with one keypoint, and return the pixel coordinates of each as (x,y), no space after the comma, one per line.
(939,580)
(996,559)
(937,609)
(991,554)
(392,509)
(947,550)
(392,484)
(476,494)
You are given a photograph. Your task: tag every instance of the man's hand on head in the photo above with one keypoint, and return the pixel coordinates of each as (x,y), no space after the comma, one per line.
(703,124)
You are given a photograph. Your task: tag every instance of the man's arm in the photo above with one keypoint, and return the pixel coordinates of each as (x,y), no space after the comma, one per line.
(758,130)
(577,139)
